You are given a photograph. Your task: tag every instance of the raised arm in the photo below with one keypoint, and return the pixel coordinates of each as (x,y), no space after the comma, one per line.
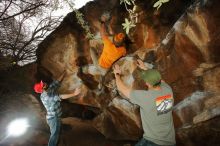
(125,90)
(102,30)
(75,93)
(60,78)
(144,65)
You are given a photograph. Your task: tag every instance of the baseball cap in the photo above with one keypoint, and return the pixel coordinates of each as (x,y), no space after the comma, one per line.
(38,87)
(151,76)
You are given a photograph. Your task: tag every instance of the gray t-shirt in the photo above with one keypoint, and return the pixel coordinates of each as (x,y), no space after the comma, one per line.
(156,114)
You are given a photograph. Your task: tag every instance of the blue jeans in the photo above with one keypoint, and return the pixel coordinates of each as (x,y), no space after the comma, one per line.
(54,124)
(144,142)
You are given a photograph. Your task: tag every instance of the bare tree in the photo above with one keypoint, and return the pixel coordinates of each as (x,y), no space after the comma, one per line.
(18,42)
(22,46)
(19,7)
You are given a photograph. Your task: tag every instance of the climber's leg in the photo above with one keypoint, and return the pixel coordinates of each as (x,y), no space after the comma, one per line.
(94,56)
(92,68)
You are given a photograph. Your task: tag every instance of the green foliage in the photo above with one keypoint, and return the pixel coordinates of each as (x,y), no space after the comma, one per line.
(128,25)
(159,3)
(83,24)
(133,16)
(81,20)
(128,2)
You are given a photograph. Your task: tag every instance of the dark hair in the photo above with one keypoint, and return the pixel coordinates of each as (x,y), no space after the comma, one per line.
(118,44)
(157,84)
(138,84)
(150,57)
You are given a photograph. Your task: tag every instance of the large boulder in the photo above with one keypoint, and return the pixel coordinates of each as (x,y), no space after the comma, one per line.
(181,42)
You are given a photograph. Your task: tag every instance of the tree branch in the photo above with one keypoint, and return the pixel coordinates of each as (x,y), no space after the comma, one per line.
(6,8)
(26,10)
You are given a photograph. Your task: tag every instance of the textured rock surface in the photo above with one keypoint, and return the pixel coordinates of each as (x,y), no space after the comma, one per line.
(67,48)
(184,48)
(182,42)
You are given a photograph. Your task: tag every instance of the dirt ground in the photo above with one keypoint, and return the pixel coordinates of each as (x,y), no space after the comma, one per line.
(77,133)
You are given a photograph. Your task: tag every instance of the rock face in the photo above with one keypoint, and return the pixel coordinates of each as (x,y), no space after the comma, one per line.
(181,41)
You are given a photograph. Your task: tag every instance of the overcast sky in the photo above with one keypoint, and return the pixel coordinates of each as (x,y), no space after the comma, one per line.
(80,3)
(31,23)
(65,11)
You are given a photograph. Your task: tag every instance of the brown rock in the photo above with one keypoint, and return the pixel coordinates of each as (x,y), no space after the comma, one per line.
(187,54)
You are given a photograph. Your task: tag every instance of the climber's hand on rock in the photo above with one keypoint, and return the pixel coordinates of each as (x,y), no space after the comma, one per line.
(141,64)
(94,43)
(117,70)
(77,91)
(61,76)
(105,17)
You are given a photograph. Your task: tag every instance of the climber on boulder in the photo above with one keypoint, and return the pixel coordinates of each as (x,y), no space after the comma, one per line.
(51,101)
(155,102)
(112,50)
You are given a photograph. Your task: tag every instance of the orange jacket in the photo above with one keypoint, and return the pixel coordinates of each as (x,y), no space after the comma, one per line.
(110,53)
